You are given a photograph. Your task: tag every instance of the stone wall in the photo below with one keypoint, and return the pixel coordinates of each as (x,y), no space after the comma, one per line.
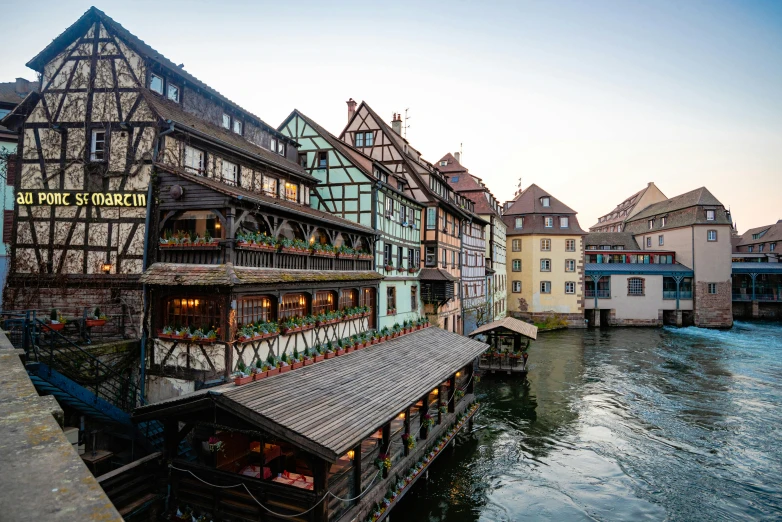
(713,310)
(572,320)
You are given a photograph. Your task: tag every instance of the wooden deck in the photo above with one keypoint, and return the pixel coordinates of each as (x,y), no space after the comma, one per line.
(502,366)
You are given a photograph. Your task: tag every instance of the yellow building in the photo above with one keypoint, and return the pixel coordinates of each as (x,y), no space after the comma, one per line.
(544,258)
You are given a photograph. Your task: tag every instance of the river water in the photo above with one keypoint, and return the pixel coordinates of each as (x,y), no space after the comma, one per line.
(621,424)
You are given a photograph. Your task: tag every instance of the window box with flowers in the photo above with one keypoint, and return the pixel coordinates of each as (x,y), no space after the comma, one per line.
(294,246)
(258,331)
(323,250)
(97,318)
(364,255)
(345,252)
(56,321)
(243,374)
(257,241)
(412,269)
(183,239)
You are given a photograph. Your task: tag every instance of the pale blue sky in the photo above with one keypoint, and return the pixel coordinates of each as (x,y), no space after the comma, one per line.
(590,100)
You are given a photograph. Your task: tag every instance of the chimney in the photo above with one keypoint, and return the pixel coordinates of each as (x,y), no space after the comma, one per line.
(351,108)
(396,123)
(458,156)
(22,86)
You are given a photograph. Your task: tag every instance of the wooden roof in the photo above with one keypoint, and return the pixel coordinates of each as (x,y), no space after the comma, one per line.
(182,274)
(512,324)
(331,406)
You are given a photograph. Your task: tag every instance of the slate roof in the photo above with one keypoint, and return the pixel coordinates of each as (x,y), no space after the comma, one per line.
(330,407)
(262,199)
(638,268)
(168,110)
(468,185)
(623,239)
(698,197)
(773,233)
(621,211)
(535,224)
(509,323)
(78,28)
(528,202)
(180,274)
(435,274)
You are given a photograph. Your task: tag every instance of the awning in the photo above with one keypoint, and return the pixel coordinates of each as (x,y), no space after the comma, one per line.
(182,274)
(330,407)
(435,274)
(509,323)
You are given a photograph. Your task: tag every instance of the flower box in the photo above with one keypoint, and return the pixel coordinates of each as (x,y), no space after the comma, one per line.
(340,352)
(319,358)
(255,246)
(323,254)
(374,341)
(95,322)
(349,349)
(389,268)
(285,369)
(412,270)
(392,311)
(242,380)
(294,250)
(329,355)
(55,326)
(273,371)
(257,376)
(308,361)
(366,257)
(296,365)
(348,256)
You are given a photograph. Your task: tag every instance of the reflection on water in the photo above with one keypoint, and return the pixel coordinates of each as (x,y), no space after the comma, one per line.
(622,424)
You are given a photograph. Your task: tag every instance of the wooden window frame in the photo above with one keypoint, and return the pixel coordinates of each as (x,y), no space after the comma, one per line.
(202,163)
(234,180)
(323,301)
(203,319)
(348,298)
(513,265)
(545,245)
(285,309)
(251,307)
(514,243)
(390,298)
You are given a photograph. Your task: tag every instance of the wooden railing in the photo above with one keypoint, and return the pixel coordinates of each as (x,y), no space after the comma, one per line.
(137,486)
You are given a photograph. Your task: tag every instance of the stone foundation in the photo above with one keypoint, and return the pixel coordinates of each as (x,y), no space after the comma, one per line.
(571,320)
(713,310)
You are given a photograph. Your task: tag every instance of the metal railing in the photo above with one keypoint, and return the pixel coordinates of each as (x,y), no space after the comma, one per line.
(601,293)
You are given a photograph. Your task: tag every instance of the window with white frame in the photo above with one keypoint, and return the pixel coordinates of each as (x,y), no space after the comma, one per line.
(431,256)
(516,265)
(663,221)
(545,265)
(194,160)
(273,144)
(281,147)
(238,127)
(230,172)
(570,265)
(564,222)
(156,83)
(226,121)
(570,245)
(545,287)
(516,245)
(270,186)
(545,245)
(635,286)
(369,139)
(548,222)
(710,215)
(431,217)
(172,92)
(389,207)
(98,145)
(651,224)
(711,235)
(519,222)
(291,191)
(660,240)
(712,288)
(545,201)
(516,286)
(570,287)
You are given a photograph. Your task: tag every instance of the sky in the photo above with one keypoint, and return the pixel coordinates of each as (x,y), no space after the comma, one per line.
(589,100)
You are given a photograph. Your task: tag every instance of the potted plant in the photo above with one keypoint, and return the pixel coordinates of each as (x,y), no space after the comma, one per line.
(339,349)
(307,356)
(242,375)
(284,363)
(96,319)
(409,441)
(296,360)
(412,269)
(383,463)
(385,333)
(349,344)
(56,321)
(261,370)
(459,394)
(271,362)
(389,266)
(396,330)
(318,353)
(329,350)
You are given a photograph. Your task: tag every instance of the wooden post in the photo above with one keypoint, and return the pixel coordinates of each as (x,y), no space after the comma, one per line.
(321,484)
(385,446)
(170,438)
(471,378)
(452,399)
(424,432)
(407,428)
(356,472)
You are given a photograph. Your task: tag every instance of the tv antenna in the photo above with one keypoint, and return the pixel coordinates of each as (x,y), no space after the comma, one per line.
(406,125)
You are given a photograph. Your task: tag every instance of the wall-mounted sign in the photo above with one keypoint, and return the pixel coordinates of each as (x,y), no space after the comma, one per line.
(80,199)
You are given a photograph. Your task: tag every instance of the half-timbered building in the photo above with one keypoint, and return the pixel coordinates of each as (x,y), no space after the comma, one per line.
(129,165)
(356,187)
(445,211)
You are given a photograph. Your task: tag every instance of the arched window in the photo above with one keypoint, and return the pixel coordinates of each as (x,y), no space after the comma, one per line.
(255,309)
(348,298)
(323,302)
(292,305)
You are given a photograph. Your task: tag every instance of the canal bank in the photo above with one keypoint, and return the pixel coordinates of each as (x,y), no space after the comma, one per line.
(622,424)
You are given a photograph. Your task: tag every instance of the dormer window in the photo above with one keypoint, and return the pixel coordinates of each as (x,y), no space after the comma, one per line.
(663,220)
(172,92)
(281,148)
(273,145)
(651,224)
(226,121)
(548,222)
(545,201)
(444,163)
(709,215)
(564,222)
(519,222)
(156,83)
(238,127)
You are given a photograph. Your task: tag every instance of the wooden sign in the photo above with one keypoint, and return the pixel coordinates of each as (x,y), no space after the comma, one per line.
(79,199)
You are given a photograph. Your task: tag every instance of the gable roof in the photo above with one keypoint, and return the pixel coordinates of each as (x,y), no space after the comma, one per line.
(468,185)
(78,28)
(623,239)
(509,323)
(698,197)
(773,233)
(452,165)
(9,94)
(619,213)
(528,202)
(170,111)
(261,199)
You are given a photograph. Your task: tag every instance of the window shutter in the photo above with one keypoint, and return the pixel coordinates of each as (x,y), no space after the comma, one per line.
(10,170)
(8,225)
